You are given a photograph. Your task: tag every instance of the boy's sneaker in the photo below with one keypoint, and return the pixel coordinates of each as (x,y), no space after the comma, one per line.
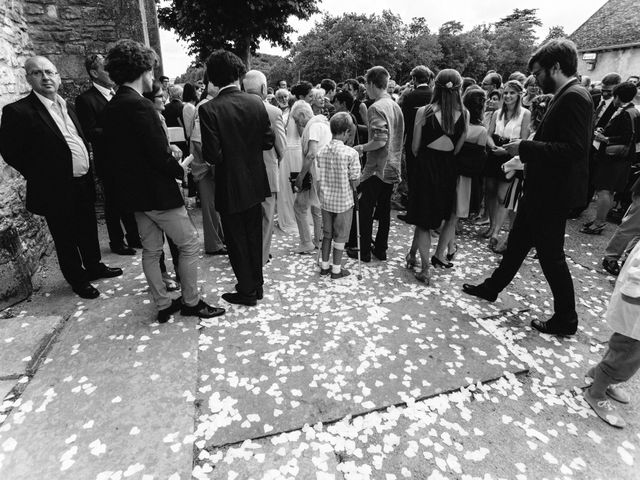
(325,271)
(605,410)
(343,273)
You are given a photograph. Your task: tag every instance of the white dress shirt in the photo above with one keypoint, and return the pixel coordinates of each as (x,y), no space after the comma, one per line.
(106,92)
(79,154)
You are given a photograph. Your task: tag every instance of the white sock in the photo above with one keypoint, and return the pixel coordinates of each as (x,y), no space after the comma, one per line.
(335,269)
(325,265)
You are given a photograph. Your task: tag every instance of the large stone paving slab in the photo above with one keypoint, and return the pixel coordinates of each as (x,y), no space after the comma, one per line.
(22,340)
(260,376)
(113,400)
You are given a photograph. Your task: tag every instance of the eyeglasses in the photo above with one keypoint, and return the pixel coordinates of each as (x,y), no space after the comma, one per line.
(159,96)
(41,73)
(537,72)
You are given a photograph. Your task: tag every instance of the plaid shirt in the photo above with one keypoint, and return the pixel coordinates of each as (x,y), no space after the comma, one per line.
(337,164)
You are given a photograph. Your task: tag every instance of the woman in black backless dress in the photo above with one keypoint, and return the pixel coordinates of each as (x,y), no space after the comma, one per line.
(439,132)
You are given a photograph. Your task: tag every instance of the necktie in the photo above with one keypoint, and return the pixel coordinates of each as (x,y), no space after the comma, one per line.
(599,112)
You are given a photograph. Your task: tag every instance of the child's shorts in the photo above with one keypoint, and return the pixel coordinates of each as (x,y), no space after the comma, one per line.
(337,225)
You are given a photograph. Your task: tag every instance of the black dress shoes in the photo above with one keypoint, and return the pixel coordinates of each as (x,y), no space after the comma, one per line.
(480,291)
(379,254)
(102,271)
(86,290)
(202,310)
(402,216)
(123,250)
(353,253)
(165,313)
(556,326)
(239,299)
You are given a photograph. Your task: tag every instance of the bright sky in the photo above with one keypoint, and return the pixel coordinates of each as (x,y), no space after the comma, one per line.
(569,14)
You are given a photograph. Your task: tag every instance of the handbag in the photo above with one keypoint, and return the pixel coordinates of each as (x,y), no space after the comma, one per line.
(622,151)
(306,182)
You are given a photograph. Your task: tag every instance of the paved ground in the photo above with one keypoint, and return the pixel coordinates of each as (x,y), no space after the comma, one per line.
(382,378)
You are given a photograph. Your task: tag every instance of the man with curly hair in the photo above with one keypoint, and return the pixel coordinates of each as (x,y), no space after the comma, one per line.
(147,179)
(235,130)
(41,137)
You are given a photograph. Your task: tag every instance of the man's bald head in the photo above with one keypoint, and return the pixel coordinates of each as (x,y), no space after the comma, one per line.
(255,82)
(43,76)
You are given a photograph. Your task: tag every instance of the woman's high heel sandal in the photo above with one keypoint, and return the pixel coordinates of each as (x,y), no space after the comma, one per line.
(423,276)
(437,263)
(452,254)
(411,261)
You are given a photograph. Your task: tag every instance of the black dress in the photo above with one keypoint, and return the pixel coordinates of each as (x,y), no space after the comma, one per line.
(612,173)
(432,188)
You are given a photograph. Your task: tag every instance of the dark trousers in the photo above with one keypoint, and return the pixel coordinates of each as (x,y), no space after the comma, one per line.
(114,214)
(75,234)
(376,197)
(243,236)
(543,229)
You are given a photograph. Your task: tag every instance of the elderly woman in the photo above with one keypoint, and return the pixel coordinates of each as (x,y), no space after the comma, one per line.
(314,134)
(317,101)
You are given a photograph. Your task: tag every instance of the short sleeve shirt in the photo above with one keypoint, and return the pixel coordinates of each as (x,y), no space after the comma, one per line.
(385,114)
(337,164)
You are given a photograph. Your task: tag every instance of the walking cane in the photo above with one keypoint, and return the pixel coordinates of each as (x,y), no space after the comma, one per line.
(357,209)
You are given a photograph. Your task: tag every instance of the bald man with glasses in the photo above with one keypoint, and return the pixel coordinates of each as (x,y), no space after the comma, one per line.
(41,137)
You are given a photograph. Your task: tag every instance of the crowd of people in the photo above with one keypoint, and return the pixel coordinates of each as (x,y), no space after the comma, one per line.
(326,162)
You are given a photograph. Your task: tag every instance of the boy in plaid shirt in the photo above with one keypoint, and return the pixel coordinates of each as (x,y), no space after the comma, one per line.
(338,168)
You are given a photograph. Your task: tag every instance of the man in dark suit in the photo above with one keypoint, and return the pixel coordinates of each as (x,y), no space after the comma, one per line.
(41,137)
(556,164)
(604,111)
(89,106)
(419,96)
(146,180)
(235,130)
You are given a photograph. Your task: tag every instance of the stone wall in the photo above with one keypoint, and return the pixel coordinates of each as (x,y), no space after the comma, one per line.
(65,31)
(24,238)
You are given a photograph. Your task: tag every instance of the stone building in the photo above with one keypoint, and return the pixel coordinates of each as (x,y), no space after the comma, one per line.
(609,41)
(65,31)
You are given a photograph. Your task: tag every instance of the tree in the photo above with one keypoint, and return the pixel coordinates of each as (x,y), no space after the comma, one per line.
(346,46)
(420,47)
(514,40)
(554,32)
(237,25)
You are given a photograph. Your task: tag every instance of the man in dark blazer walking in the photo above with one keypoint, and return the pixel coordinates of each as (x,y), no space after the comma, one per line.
(89,106)
(146,180)
(421,78)
(556,168)
(235,130)
(41,137)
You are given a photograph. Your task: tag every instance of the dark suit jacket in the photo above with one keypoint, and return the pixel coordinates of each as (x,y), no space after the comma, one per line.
(410,105)
(173,113)
(557,158)
(146,171)
(32,143)
(235,130)
(89,106)
(606,116)
(619,130)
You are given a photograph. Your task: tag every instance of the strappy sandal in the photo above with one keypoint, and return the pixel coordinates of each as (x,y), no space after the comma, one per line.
(611,266)
(423,277)
(411,261)
(452,254)
(593,229)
